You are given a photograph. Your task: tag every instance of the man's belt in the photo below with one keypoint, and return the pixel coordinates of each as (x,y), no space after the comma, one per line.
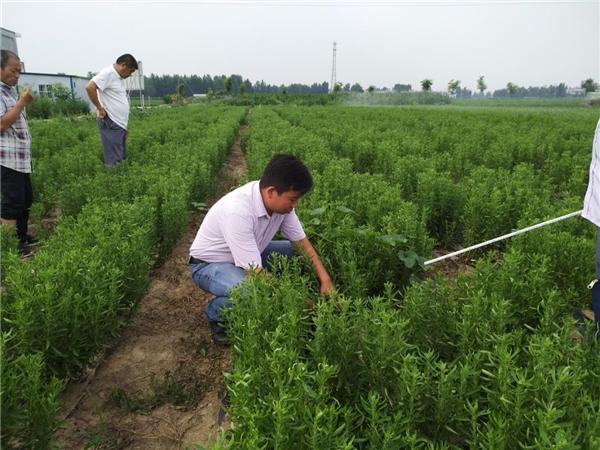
(196,261)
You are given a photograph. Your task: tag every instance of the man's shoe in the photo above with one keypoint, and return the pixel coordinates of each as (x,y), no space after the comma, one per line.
(30,240)
(219,336)
(24,249)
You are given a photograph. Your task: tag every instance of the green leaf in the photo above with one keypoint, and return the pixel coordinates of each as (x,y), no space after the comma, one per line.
(409,258)
(344,209)
(317,212)
(392,239)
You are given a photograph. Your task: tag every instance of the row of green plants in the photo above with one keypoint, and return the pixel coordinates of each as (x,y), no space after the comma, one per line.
(62,307)
(406,357)
(476,172)
(60,101)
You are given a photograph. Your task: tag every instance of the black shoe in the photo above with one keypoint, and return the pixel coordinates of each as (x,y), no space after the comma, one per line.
(24,249)
(219,336)
(581,328)
(222,409)
(30,240)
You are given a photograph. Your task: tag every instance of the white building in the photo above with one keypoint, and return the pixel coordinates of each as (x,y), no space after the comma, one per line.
(576,91)
(41,84)
(9,40)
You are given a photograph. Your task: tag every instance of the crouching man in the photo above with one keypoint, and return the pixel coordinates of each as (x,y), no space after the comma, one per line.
(236,235)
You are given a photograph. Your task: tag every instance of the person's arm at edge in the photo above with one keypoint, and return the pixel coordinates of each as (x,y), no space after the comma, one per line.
(304,246)
(92,91)
(13,114)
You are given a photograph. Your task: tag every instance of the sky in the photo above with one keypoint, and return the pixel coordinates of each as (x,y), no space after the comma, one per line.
(380,43)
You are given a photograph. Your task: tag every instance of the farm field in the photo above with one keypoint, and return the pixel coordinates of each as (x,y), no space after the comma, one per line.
(410,359)
(477,353)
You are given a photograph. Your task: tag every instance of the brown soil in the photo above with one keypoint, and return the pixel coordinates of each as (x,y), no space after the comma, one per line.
(163,359)
(451,267)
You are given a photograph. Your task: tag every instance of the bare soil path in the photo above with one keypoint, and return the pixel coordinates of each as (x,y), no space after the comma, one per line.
(160,385)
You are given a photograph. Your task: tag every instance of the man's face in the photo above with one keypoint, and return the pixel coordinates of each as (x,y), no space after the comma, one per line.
(124,71)
(282,203)
(11,72)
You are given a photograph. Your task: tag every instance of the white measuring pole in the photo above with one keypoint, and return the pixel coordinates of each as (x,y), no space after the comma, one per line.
(506,236)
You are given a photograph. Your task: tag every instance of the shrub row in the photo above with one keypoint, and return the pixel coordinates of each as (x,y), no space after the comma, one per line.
(62,307)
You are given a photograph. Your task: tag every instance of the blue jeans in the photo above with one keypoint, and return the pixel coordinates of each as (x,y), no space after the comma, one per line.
(221,277)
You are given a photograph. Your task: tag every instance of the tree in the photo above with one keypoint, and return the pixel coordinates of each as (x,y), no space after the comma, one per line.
(242,89)
(481,86)
(179,93)
(511,88)
(426,84)
(337,87)
(371,89)
(227,85)
(356,88)
(61,92)
(402,87)
(589,85)
(453,86)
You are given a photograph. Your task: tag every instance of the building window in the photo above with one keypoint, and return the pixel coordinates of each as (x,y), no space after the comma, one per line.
(45,90)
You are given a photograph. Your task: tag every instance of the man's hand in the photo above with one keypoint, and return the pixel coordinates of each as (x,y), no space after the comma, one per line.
(26,96)
(327,287)
(101,113)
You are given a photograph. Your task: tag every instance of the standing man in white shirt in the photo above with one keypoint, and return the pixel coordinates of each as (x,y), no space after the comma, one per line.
(591,212)
(107,92)
(236,235)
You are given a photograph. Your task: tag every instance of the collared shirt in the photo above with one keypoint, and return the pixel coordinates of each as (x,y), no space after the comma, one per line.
(238,228)
(591,204)
(15,141)
(113,95)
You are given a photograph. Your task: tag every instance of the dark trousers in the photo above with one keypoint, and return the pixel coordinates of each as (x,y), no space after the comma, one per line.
(113,141)
(17,197)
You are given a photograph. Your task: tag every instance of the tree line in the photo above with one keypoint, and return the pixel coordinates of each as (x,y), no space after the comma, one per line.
(188,85)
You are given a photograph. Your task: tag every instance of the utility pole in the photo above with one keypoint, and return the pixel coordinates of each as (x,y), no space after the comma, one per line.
(333,74)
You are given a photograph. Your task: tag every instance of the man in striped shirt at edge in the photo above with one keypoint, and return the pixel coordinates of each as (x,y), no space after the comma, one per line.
(15,151)
(591,212)
(236,235)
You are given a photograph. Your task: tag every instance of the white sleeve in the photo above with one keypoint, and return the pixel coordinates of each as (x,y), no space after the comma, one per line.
(101,79)
(291,228)
(238,233)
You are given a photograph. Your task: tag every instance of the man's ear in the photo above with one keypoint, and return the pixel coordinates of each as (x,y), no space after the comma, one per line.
(270,191)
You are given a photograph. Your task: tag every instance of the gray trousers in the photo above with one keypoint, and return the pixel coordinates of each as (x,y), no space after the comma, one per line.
(113,140)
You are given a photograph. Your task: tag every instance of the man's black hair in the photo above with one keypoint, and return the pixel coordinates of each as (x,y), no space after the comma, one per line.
(4,57)
(128,60)
(286,173)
